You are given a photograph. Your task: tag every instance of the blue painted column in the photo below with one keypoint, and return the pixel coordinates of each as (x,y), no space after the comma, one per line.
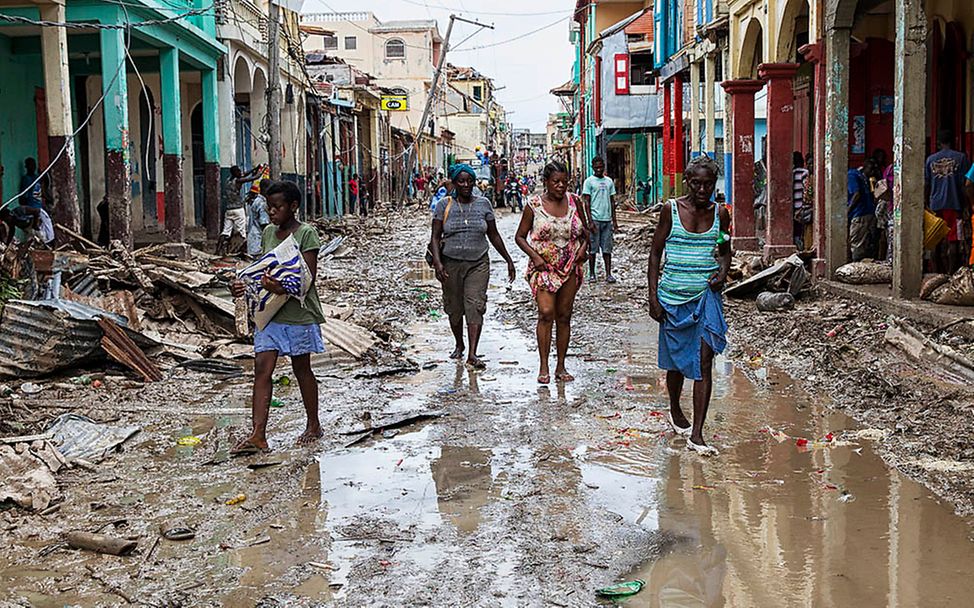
(211,153)
(172,144)
(118,187)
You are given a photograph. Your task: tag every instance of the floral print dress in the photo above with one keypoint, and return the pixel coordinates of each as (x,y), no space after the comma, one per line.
(556,239)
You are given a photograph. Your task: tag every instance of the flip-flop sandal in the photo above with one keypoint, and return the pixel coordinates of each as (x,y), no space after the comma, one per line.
(544,379)
(703,450)
(565,377)
(478,366)
(679,430)
(248,449)
(177,530)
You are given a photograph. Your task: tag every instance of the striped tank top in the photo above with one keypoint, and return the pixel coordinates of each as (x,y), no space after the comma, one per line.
(689,261)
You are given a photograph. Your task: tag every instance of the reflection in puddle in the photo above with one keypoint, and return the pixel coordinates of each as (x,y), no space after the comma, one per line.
(398,493)
(763,524)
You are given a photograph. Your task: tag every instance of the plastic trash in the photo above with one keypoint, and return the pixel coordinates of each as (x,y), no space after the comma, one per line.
(275,402)
(774,302)
(622,589)
(236,500)
(284,380)
(30,388)
(188,440)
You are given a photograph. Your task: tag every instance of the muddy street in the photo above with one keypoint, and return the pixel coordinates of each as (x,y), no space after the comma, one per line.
(507,494)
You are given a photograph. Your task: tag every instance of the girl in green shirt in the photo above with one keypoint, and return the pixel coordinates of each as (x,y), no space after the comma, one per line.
(294,331)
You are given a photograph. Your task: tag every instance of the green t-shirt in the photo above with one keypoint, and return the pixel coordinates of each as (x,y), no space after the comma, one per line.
(600,190)
(292,313)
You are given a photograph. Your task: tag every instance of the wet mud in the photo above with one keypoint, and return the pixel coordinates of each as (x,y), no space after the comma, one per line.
(521,495)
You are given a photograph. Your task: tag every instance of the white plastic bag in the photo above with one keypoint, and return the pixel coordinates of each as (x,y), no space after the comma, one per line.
(285,264)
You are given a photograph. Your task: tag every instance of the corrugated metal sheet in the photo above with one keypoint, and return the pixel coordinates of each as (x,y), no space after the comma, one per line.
(39,337)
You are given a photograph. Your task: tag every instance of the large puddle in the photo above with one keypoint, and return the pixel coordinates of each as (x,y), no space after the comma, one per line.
(772,523)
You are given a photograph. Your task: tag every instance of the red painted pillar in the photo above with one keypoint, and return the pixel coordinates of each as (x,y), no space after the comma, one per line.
(679,163)
(742,184)
(667,159)
(815,53)
(779,240)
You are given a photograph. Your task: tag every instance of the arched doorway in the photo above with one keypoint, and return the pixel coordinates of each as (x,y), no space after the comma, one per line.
(151,202)
(242,88)
(752,50)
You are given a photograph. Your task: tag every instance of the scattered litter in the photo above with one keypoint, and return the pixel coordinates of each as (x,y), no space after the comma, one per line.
(100,543)
(236,500)
(775,302)
(275,402)
(177,530)
(864,273)
(622,589)
(846,497)
(27,477)
(30,388)
(188,440)
(77,436)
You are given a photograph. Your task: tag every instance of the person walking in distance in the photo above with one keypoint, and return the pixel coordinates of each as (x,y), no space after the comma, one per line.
(598,192)
(234,217)
(558,248)
(684,294)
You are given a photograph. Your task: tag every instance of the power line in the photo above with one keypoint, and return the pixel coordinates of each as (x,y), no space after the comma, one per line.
(100,26)
(514,39)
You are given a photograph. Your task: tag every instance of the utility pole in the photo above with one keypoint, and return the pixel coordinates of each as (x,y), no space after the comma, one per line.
(274,89)
(411,156)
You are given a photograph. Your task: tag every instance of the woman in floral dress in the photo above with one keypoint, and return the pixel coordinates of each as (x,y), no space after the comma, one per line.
(555,238)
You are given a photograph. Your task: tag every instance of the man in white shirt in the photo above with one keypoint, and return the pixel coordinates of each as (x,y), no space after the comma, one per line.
(598,192)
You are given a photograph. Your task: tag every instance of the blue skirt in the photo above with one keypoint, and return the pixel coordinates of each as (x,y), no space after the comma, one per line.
(289,340)
(685,326)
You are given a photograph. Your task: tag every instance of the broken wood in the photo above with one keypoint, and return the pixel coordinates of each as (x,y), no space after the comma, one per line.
(79,238)
(124,256)
(392,423)
(100,543)
(911,341)
(121,348)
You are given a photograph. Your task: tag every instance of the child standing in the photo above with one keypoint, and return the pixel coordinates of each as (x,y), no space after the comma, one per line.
(294,331)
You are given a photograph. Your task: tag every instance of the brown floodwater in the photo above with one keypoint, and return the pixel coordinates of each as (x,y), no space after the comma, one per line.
(771,524)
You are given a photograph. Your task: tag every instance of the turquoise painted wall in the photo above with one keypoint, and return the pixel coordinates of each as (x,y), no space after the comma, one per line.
(640,156)
(18,120)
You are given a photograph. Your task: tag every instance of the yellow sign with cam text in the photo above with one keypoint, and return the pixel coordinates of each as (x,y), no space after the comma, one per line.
(394,103)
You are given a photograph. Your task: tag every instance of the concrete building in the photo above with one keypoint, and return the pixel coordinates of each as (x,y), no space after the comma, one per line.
(400,55)
(119,117)
(837,80)
(243,88)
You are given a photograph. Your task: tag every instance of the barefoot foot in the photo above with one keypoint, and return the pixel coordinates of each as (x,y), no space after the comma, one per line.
(310,435)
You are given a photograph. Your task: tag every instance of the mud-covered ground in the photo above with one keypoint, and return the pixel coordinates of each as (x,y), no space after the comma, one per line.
(518,495)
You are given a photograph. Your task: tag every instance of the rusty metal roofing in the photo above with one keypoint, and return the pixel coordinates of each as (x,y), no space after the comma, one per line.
(42,336)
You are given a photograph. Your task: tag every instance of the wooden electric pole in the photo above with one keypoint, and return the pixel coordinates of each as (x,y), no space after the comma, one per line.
(274,90)
(424,123)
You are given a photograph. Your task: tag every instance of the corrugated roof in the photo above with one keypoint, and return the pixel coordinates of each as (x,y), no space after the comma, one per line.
(643,25)
(41,336)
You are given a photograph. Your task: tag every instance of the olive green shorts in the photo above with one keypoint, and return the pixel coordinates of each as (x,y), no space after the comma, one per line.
(465,290)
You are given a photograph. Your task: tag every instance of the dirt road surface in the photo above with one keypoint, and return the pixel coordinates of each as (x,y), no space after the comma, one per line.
(520,495)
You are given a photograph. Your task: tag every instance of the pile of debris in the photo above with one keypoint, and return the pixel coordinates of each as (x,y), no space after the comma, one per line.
(775,288)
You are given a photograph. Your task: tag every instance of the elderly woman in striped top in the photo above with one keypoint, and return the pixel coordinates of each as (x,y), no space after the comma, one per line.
(684,294)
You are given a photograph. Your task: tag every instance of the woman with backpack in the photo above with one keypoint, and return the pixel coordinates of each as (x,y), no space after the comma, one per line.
(462,226)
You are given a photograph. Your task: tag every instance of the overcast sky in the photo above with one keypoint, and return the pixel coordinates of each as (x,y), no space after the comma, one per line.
(528,67)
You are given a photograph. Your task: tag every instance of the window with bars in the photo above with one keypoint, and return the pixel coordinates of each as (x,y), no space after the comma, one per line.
(395,49)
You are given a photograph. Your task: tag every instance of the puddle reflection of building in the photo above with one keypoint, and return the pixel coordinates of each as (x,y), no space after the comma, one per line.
(691,574)
(463,481)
